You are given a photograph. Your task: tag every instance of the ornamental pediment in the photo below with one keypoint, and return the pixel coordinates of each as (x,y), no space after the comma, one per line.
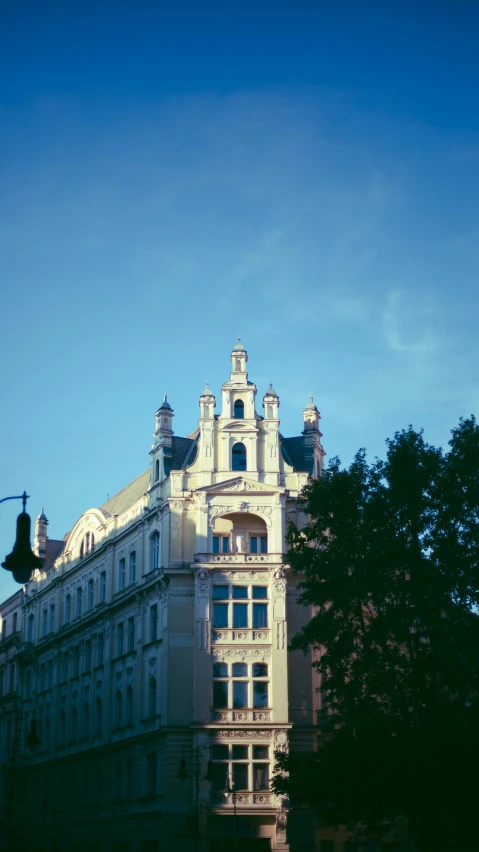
(236,426)
(240,484)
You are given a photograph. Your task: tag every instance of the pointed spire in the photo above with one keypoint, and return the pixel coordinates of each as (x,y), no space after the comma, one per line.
(271,391)
(207,391)
(239,346)
(165,404)
(310,406)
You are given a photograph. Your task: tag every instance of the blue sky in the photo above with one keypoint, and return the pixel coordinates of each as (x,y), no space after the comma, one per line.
(305,174)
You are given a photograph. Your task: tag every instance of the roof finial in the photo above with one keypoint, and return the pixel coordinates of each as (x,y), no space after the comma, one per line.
(239,345)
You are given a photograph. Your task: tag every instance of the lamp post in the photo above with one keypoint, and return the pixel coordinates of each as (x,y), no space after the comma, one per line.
(198,752)
(21,561)
(230,790)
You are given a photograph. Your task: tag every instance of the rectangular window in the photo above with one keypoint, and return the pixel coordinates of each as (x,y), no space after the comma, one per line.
(240,694)
(119,639)
(240,593)
(41,678)
(260,694)
(49,674)
(153,622)
(131,633)
(52,618)
(129,778)
(68,608)
(226,545)
(264,544)
(216,544)
(260,776)
(260,615)
(11,682)
(44,622)
(132,568)
(121,575)
(78,609)
(65,666)
(240,615)
(220,593)
(260,593)
(151,763)
(220,615)
(102,587)
(220,694)
(100,645)
(14,623)
(253,544)
(240,776)
(76,661)
(218,781)
(2,676)
(90,594)
(87,665)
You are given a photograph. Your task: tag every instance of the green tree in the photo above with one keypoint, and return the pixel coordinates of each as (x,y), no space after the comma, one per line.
(390,560)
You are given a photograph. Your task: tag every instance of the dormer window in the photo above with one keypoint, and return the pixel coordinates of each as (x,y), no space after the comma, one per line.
(239,409)
(238,460)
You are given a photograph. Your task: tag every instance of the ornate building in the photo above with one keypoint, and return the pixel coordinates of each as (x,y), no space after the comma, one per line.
(144,673)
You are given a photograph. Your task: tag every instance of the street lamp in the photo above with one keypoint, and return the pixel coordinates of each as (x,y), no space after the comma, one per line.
(230,790)
(198,752)
(22,561)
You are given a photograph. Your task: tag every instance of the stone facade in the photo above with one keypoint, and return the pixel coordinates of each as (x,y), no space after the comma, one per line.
(152,649)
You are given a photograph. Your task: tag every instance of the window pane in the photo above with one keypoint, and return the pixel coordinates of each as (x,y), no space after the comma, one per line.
(219,771)
(240,615)
(240,592)
(219,752)
(241,752)
(226,545)
(216,544)
(260,670)
(260,752)
(260,693)
(220,615)
(260,592)
(253,544)
(238,457)
(260,776)
(240,693)
(220,693)
(264,544)
(260,615)
(220,593)
(240,670)
(220,670)
(239,409)
(240,776)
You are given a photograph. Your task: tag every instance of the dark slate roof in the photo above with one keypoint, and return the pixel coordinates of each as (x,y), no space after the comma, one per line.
(183,454)
(125,498)
(293,454)
(53,549)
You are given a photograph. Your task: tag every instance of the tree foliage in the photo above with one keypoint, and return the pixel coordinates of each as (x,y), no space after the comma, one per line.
(389,559)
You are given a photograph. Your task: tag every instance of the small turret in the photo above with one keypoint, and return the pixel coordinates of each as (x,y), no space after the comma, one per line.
(161,452)
(271,403)
(239,357)
(40,538)
(207,403)
(313,450)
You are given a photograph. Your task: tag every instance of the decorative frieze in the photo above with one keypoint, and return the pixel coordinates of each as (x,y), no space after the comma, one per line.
(243,653)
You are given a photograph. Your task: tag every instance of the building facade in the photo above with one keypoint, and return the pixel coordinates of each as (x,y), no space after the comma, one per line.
(145,677)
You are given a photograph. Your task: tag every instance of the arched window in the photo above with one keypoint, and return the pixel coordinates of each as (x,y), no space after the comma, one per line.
(121,574)
(238,365)
(157,470)
(129,706)
(90,594)
(152,697)
(239,409)
(102,586)
(154,550)
(92,541)
(82,549)
(118,706)
(98,716)
(238,457)
(31,625)
(132,567)
(86,719)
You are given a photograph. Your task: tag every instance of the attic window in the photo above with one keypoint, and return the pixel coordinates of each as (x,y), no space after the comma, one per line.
(239,409)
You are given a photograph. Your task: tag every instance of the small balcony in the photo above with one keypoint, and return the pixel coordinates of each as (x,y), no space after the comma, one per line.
(239,558)
(241,716)
(260,799)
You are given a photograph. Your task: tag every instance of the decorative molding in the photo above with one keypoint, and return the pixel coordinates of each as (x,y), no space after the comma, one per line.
(235,734)
(246,653)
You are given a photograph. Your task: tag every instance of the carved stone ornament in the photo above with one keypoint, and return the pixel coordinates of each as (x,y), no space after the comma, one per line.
(202,574)
(279,574)
(235,735)
(246,653)
(279,587)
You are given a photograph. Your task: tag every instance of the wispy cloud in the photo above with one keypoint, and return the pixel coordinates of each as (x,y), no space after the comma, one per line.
(404,324)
